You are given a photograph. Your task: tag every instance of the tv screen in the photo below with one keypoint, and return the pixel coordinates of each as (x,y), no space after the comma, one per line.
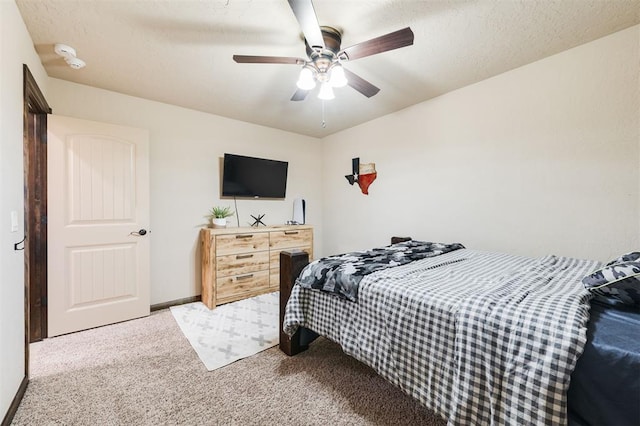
(253,177)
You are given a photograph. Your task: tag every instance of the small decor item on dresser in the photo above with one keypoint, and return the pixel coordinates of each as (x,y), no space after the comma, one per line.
(299,211)
(258,220)
(218,216)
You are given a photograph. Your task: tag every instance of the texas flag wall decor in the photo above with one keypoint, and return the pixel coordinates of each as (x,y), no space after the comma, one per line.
(362,173)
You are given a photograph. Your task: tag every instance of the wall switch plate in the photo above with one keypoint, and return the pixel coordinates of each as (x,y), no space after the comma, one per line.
(14,221)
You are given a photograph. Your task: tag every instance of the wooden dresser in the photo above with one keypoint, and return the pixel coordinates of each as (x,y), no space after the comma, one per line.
(243,262)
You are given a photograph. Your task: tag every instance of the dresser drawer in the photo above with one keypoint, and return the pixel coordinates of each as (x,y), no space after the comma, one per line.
(240,285)
(241,243)
(242,263)
(274,264)
(290,239)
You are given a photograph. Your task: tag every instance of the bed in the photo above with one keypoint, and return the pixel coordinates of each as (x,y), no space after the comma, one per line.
(477,337)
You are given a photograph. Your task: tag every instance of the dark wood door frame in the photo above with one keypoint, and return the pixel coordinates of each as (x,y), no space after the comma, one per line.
(34,135)
(35,112)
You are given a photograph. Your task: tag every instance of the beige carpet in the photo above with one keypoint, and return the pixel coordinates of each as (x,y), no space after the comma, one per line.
(144,372)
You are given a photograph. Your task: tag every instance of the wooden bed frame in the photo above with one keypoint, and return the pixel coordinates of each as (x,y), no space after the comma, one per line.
(291,264)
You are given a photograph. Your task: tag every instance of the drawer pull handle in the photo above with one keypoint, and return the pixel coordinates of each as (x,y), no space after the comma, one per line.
(244,277)
(244,256)
(245,236)
(290,232)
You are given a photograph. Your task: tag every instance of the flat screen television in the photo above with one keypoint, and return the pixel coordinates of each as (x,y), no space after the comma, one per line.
(253,177)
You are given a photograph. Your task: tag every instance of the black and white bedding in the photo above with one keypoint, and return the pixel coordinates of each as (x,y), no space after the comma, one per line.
(341,274)
(480,338)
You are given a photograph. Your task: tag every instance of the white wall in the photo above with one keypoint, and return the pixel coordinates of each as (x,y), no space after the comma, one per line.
(541,159)
(185,149)
(16,48)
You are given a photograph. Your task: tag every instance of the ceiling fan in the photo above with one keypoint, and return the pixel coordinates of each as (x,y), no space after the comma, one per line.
(325,57)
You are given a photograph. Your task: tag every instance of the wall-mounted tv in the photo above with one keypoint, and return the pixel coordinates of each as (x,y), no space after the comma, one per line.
(253,177)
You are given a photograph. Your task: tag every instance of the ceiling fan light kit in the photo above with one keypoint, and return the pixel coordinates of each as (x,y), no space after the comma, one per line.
(309,74)
(325,57)
(337,78)
(326,92)
(307,80)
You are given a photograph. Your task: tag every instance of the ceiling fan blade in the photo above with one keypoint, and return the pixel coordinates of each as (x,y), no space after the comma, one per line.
(300,95)
(394,40)
(245,59)
(360,84)
(306,16)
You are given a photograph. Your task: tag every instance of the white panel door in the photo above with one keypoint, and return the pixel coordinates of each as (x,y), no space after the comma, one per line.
(98,203)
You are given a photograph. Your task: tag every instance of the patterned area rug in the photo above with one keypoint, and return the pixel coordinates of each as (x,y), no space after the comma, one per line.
(230,332)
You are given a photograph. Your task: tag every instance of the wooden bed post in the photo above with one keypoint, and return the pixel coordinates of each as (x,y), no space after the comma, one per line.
(396,240)
(291,264)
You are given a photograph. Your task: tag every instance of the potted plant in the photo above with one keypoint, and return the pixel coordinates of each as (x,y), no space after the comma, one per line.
(218,216)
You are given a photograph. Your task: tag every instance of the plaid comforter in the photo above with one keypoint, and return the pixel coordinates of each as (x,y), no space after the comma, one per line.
(341,274)
(480,338)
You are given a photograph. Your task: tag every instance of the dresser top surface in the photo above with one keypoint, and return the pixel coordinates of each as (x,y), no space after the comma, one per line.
(253,230)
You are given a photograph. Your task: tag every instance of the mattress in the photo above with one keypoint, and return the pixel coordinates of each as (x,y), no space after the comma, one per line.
(605,385)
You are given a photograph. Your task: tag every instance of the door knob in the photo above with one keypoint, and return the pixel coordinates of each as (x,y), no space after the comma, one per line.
(140,233)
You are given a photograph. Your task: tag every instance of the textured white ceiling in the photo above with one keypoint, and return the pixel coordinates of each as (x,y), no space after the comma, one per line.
(180,51)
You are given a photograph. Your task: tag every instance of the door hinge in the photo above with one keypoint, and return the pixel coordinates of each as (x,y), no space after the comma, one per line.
(43,301)
(43,219)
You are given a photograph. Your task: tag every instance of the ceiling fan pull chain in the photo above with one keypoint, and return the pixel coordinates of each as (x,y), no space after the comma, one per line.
(324,123)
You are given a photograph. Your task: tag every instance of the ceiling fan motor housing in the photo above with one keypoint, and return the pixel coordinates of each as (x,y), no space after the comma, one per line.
(332,40)
(321,59)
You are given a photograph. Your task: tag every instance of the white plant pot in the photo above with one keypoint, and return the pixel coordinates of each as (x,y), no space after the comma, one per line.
(219,223)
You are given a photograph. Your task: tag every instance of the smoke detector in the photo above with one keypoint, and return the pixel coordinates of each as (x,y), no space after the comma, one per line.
(68,53)
(75,63)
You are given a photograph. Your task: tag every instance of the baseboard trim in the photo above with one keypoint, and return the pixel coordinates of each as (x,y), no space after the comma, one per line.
(166,305)
(13,408)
